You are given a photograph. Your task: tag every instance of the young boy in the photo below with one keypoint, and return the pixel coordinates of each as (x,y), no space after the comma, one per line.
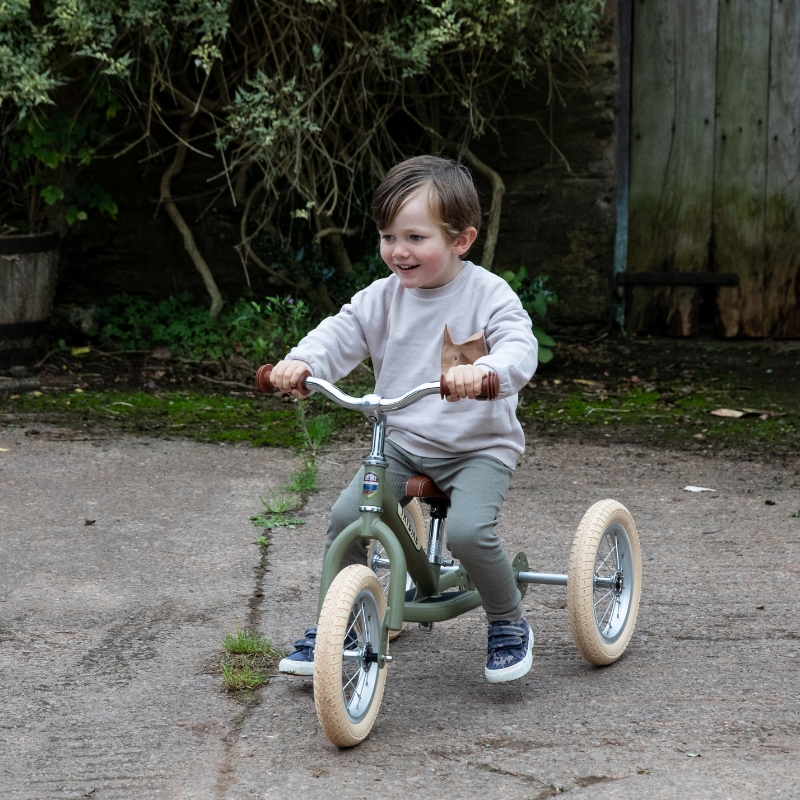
(428,214)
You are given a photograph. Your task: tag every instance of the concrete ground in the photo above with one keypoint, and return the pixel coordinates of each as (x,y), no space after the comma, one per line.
(110,635)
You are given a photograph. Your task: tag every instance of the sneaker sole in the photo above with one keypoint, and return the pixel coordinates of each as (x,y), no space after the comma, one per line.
(512,673)
(303,668)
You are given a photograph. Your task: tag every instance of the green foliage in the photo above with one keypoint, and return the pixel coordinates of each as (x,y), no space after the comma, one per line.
(256,330)
(309,100)
(245,641)
(305,480)
(242,673)
(277,504)
(191,414)
(535,299)
(272,521)
(44,154)
(307,264)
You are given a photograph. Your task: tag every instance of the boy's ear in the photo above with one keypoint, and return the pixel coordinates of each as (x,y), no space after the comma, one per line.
(464,241)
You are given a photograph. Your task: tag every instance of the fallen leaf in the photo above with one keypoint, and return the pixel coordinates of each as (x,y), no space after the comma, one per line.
(162,353)
(693,755)
(697,489)
(584,382)
(122,403)
(698,436)
(4,449)
(769,502)
(80,351)
(36,394)
(89,521)
(635,379)
(78,391)
(754,412)
(727,412)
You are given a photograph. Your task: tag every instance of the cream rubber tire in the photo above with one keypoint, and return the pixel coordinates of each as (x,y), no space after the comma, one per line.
(348,687)
(375,550)
(604,582)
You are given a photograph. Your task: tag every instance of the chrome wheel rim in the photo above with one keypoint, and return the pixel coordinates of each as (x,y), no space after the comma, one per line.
(613,582)
(359,659)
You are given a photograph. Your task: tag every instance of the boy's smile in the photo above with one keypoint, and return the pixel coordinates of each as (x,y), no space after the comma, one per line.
(415,248)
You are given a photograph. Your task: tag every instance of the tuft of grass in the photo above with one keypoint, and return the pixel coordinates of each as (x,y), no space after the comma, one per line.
(241,674)
(305,480)
(248,657)
(320,429)
(277,504)
(262,541)
(245,641)
(794,515)
(272,521)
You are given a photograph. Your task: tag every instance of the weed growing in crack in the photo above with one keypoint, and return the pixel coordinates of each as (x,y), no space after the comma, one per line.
(272,521)
(262,541)
(240,673)
(248,657)
(305,480)
(245,641)
(277,504)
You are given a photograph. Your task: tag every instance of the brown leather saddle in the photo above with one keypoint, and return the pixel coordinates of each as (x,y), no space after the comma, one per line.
(425,489)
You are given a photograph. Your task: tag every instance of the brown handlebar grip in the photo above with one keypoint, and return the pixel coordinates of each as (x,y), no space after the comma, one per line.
(490,387)
(264,383)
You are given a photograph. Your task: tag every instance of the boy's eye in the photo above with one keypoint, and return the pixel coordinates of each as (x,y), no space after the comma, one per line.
(387,238)
(415,237)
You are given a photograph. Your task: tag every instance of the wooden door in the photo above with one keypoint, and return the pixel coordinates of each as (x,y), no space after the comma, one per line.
(715,153)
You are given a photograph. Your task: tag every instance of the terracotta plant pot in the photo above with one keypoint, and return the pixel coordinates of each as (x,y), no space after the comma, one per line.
(28,271)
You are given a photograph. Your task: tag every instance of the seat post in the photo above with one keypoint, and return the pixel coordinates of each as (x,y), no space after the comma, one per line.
(436,533)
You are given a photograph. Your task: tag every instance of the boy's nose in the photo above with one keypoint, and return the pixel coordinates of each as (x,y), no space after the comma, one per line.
(400,251)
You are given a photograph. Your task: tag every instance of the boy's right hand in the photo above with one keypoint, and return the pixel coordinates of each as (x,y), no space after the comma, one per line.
(286,374)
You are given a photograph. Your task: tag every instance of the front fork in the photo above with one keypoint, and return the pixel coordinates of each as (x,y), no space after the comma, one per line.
(383,519)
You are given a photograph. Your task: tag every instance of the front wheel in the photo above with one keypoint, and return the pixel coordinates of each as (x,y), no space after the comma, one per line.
(348,686)
(604,582)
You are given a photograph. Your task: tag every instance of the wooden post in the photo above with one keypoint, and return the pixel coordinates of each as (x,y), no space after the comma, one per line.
(782,214)
(671,156)
(740,162)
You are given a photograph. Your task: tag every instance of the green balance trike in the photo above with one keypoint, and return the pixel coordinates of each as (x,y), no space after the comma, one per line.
(358,615)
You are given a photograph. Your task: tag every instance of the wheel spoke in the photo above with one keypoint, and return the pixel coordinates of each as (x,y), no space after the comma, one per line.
(611,552)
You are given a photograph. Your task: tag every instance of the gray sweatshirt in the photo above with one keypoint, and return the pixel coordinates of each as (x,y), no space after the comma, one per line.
(403,331)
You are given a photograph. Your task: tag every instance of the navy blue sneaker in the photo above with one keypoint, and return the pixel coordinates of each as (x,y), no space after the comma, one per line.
(510,651)
(301,662)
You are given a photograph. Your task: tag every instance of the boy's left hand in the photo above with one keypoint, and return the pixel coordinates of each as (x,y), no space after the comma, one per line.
(464,381)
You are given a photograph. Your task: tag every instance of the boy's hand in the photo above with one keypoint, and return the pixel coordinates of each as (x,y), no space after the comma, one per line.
(286,374)
(464,381)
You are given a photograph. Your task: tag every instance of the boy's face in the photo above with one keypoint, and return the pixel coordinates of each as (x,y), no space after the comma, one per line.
(415,248)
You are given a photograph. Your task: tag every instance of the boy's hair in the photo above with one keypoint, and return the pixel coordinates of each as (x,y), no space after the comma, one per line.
(452,198)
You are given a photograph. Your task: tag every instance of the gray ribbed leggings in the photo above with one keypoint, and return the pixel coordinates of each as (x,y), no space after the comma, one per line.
(477,486)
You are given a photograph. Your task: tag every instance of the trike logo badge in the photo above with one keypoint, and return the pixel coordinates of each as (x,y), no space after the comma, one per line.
(370,484)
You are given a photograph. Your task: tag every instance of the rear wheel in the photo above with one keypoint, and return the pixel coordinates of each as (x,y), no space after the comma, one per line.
(348,686)
(604,582)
